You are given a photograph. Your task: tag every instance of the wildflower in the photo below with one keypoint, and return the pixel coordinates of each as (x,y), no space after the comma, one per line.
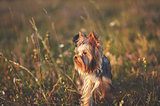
(61,45)
(62,99)
(3,92)
(121,103)
(128,95)
(60,55)
(47,34)
(8,77)
(154,73)
(58,61)
(46,57)
(144,60)
(14,80)
(139,59)
(65,90)
(10,69)
(14,99)
(10,96)
(63,83)
(17,96)
(5,60)
(67,53)
(5,88)
(35,51)
(60,79)
(112,24)
(36,79)
(9,66)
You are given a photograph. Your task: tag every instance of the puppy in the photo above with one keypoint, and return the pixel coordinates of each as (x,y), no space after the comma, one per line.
(93,68)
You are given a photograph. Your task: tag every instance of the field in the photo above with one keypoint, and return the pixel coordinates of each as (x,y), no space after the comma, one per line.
(36,49)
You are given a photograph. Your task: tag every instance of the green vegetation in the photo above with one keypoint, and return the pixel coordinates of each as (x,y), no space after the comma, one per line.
(36,49)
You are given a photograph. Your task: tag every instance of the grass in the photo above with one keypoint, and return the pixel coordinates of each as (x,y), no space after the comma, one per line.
(36,50)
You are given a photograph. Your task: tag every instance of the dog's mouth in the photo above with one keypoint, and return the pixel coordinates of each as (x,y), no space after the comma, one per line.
(77,62)
(80,64)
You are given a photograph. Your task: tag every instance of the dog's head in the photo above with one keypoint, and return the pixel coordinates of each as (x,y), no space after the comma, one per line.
(88,53)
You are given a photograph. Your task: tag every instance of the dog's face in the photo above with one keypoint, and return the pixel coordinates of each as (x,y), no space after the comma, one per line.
(83,58)
(88,53)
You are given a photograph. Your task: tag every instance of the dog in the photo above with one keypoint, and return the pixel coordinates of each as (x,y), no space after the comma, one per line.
(93,68)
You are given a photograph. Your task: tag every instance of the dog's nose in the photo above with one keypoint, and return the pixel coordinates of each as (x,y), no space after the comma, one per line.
(75,57)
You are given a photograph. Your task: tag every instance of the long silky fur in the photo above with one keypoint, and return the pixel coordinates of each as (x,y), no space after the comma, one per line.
(91,81)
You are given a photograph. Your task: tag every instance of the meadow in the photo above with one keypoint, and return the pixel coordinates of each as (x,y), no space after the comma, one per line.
(36,49)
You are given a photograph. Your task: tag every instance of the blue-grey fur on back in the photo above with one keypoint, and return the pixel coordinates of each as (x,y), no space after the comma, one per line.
(106,67)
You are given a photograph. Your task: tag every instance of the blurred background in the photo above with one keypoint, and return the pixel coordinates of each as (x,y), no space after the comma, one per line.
(36,49)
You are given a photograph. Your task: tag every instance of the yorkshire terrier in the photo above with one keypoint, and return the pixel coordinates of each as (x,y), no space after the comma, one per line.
(93,68)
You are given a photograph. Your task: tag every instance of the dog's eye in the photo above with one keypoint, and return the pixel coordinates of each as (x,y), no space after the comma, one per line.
(84,53)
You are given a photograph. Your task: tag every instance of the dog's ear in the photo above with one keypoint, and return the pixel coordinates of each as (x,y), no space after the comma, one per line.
(78,39)
(75,39)
(93,40)
(80,35)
